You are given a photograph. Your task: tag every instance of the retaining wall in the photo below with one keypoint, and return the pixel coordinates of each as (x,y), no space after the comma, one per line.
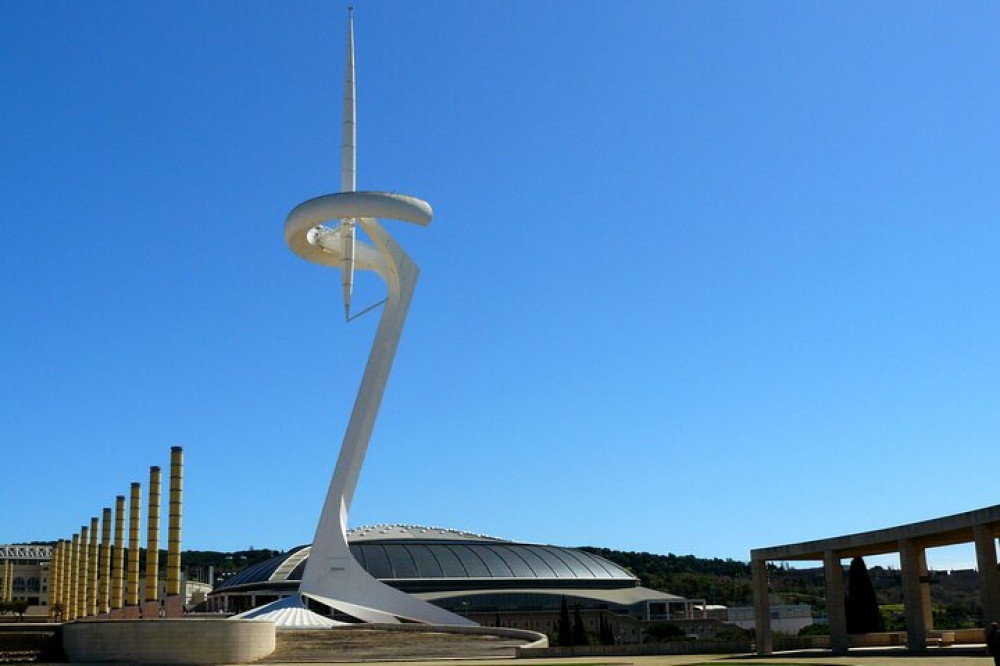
(672,647)
(168,641)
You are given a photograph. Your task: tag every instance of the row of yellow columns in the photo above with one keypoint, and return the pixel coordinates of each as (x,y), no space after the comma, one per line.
(88,575)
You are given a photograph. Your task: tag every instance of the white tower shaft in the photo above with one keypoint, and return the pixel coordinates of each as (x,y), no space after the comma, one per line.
(332,575)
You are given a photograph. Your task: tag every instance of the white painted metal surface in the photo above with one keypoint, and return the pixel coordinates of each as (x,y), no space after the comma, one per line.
(332,575)
(288,613)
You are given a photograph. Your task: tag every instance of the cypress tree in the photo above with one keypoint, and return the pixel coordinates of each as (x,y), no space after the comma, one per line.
(607,635)
(579,631)
(565,632)
(861,604)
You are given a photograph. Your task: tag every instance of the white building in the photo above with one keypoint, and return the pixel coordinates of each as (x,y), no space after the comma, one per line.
(787,619)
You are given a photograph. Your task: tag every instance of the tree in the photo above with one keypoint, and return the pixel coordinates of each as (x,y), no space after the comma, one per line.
(606,633)
(579,631)
(17,606)
(565,632)
(861,605)
(664,631)
(815,629)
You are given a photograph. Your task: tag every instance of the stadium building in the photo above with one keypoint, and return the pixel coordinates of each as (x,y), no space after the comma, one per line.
(491,581)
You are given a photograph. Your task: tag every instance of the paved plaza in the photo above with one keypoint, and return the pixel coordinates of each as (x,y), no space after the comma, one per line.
(964,657)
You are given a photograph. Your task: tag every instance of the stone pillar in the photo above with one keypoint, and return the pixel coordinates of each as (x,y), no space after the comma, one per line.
(925,591)
(761,606)
(175,601)
(81,573)
(989,577)
(92,568)
(836,613)
(104,588)
(151,607)
(118,563)
(71,580)
(910,559)
(132,585)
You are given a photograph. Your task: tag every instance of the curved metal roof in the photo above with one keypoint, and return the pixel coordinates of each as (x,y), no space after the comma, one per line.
(429,558)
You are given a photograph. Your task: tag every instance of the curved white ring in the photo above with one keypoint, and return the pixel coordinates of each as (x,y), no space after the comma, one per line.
(350,205)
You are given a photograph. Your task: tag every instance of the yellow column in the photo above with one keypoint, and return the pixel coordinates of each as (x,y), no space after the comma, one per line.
(61,567)
(135,512)
(92,552)
(65,575)
(69,595)
(118,564)
(174,525)
(81,574)
(104,587)
(153,537)
(54,580)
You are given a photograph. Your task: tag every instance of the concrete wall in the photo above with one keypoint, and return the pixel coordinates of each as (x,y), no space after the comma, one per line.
(180,641)
(532,639)
(670,647)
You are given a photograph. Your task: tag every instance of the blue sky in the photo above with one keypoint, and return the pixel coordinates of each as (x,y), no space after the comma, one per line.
(703,276)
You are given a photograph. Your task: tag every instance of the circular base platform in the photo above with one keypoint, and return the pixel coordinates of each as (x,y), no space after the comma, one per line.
(180,641)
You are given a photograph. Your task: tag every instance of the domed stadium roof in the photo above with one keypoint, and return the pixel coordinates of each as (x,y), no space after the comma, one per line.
(424,559)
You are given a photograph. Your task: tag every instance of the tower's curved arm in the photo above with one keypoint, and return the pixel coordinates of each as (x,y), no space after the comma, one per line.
(332,575)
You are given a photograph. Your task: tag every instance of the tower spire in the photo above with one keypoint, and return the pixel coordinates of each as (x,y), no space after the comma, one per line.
(348,169)
(348,132)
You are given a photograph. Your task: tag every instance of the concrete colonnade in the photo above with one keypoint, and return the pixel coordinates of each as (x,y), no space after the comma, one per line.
(911,542)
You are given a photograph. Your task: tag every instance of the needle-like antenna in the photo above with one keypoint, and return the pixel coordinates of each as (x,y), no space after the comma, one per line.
(348,168)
